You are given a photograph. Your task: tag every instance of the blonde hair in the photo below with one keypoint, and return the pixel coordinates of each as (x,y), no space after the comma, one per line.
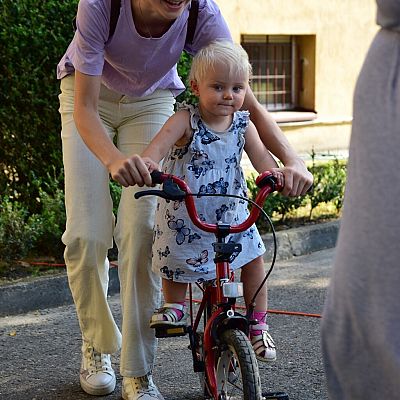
(231,54)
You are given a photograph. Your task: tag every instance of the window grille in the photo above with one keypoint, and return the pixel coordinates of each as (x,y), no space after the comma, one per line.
(273,81)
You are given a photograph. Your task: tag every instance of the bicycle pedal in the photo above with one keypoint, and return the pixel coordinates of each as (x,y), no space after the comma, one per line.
(171,332)
(275,396)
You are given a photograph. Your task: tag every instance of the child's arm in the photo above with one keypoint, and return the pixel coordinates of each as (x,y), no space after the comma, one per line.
(176,130)
(259,155)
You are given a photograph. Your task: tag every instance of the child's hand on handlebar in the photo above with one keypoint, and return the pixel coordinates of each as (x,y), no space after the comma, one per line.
(151,166)
(280,178)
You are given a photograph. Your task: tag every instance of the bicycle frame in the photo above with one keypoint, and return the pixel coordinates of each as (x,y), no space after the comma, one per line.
(217,306)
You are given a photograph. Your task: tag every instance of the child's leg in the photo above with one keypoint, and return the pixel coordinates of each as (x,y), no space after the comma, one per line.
(252,275)
(173,312)
(174,292)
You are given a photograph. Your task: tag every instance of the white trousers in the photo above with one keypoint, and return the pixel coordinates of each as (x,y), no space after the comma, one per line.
(131,123)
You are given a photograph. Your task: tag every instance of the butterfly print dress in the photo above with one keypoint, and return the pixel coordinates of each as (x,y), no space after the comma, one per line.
(210,163)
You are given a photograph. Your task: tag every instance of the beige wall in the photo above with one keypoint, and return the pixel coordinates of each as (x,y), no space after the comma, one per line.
(343,29)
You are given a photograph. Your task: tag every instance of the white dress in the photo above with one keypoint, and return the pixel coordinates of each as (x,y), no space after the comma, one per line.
(210,163)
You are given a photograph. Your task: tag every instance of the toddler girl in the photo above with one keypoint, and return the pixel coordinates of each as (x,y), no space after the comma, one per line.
(204,146)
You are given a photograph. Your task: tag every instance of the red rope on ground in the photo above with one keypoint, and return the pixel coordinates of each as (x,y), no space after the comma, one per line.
(297,313)
(300,314)
(44,264)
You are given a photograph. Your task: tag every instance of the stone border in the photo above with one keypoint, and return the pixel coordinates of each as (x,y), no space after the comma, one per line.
(303,240)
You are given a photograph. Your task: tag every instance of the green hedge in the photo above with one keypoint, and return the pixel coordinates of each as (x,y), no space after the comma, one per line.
(33,36)
(325,199)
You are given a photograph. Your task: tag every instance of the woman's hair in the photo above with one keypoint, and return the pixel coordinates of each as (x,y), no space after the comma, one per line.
(231,54)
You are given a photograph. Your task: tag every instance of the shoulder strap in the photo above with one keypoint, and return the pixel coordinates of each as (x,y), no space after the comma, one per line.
(114,15)
(192,21)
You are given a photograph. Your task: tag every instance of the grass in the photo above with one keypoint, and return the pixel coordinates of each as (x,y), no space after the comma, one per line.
(301,216)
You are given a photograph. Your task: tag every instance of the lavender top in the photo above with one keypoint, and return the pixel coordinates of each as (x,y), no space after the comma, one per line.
(129,63)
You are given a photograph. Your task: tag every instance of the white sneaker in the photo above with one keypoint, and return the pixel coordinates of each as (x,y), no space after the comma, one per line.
(141,388)
(96,375)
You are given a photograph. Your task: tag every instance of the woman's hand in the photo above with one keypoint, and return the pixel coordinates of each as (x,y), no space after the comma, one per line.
(298,179)
(133,170)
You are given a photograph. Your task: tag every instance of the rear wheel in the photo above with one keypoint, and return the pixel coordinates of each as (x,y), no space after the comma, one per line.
(236,368)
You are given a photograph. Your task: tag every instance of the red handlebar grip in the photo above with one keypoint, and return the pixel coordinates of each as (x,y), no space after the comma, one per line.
(268,178)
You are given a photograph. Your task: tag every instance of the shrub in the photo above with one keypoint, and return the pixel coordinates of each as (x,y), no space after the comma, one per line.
(23,233)
(51,220)
(33,36)
(18,231)
(329,185)
(183,71)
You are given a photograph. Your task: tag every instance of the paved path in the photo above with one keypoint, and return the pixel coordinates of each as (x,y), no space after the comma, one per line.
(40,351)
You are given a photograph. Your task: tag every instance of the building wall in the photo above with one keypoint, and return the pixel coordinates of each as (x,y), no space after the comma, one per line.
(343,31)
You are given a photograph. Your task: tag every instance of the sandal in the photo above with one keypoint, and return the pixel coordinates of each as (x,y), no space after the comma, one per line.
(263,344)
(167,316)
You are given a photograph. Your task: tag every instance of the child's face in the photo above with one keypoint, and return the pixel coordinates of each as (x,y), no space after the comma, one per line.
(221,92)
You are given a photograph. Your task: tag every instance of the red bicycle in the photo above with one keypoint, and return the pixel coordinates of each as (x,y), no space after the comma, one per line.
(221,350)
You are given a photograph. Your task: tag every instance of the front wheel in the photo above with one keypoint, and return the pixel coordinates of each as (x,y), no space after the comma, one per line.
(236,368)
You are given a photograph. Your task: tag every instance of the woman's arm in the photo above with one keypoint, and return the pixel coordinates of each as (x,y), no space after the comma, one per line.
(127,171)
(297,178)
(260,157)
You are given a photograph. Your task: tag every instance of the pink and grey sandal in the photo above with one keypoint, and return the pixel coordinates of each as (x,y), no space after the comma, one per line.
(263,344)
(170,314)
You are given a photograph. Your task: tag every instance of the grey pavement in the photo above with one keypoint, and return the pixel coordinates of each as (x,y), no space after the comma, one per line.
(40,350)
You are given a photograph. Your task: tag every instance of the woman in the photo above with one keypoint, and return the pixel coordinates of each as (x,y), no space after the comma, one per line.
(116,93)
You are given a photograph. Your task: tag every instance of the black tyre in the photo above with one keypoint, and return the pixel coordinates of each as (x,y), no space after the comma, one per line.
(236,368)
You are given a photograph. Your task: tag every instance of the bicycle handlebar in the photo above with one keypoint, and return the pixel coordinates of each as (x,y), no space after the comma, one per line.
(175,188)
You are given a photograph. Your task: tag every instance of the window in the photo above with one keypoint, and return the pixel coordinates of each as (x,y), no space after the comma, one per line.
(283,70)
